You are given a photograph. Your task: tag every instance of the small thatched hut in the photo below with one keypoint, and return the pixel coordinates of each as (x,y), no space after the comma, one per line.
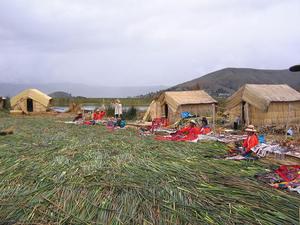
(2,102)
(265,105)
(30,100)
(171,104)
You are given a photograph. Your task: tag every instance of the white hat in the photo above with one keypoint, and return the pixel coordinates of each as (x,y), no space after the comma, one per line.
(193,121)
(250,128)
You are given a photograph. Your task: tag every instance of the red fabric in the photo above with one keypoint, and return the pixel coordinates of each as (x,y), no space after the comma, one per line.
(250,142)
(205,130)
(190,131)
(184,134)
(98,115)
(159,122)
(288,173)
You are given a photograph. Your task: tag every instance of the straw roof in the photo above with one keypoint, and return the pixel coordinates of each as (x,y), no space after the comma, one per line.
(177,98)
(34,94)
(261,95)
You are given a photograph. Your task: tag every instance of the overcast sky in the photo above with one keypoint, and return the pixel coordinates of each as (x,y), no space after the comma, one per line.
(143,42)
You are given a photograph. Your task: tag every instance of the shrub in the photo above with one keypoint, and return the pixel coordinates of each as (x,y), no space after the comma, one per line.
(110,111)
(131,113)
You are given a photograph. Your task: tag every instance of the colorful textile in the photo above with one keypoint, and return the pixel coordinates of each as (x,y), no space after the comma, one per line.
(92,122)
(289,178)
(288,173)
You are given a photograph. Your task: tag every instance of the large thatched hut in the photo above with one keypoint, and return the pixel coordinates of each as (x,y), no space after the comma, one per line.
(263,105)
(171,104)
(30,100)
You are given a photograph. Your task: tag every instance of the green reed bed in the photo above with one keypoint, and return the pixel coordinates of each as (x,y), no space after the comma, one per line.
(56,173)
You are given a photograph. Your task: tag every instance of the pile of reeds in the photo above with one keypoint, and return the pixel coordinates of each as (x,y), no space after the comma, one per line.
(55,173)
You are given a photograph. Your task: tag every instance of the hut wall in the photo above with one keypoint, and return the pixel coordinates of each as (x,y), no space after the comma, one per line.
(37,107)
(277,114)
(20,106)
(198,110)
(155,110)
(235,112)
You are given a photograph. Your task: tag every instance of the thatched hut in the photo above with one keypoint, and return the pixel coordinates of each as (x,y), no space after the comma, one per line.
(171,104)
(263,105)
(2,102)
(30,100)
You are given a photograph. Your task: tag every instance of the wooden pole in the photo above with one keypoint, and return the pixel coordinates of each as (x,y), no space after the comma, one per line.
(214,117)
(287,121)
(247,114)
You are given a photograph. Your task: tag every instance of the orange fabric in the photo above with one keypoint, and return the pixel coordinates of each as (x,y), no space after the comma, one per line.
(250,142)
(190,132)
(205,130)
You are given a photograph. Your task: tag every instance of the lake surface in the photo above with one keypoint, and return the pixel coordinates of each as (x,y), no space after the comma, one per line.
(63,109)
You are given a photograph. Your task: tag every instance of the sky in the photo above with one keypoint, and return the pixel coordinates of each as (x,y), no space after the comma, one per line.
(142,42)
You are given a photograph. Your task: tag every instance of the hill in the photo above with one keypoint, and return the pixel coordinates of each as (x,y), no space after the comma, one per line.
(226,81)
(11,89)
(60,94)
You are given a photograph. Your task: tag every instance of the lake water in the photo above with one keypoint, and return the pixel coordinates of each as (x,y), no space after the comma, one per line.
(62,109)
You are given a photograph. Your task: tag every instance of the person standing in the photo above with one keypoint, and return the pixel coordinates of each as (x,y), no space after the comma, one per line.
(118,109)
(237,123)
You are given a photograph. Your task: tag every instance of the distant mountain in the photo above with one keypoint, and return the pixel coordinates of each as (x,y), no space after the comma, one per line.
(60,94)
(226,81)
(9,89)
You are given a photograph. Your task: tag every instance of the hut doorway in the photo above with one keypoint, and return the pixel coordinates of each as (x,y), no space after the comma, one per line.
(166,110)
(29,105)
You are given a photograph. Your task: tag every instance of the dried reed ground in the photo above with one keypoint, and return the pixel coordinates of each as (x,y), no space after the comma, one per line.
(56,173)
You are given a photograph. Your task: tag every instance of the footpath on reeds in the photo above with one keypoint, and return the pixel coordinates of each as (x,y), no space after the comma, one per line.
(55,173)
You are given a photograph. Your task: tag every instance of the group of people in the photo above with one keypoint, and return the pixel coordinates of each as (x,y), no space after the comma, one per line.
(99,114)
(190,132)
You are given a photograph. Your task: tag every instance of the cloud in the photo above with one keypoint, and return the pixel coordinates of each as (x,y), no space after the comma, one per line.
(135,42)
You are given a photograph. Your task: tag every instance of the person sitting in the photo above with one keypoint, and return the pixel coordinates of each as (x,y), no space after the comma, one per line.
(205,129)
(102,114)
(79,117)
(121,122)
(96,114)
(251,141)
(190,132)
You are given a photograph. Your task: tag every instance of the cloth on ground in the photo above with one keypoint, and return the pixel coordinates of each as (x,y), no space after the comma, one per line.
(262,150)
(285,177)
(289,173)
(240,157)
(202,137)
